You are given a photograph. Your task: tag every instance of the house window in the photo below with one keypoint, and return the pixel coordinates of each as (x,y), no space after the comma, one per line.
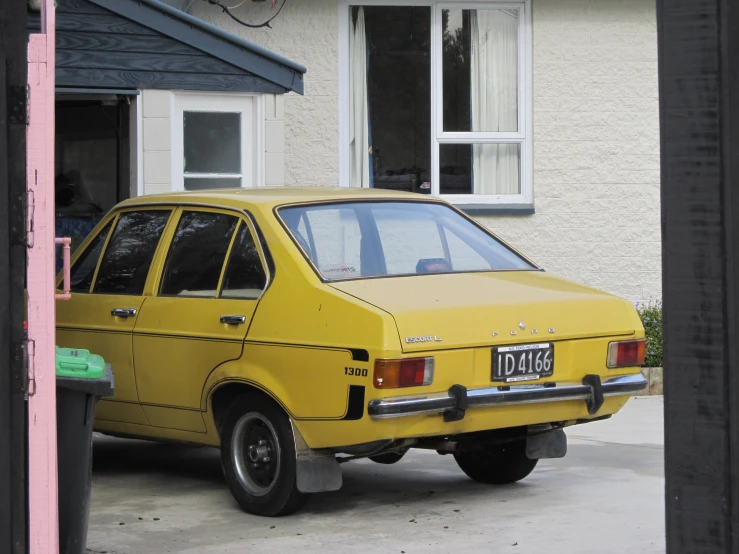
(436,99)
(214,140)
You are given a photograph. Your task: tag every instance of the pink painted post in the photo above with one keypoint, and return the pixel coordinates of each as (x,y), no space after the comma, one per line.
(42,464)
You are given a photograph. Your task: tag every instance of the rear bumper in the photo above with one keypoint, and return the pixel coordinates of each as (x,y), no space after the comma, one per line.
(458,399)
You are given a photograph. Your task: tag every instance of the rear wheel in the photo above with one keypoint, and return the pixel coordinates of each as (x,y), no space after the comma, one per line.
(499,464)
(258,456)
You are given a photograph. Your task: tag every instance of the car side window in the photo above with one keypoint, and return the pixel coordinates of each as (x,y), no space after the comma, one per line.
(197,254)
(245,276)
(83,269)
(129,254)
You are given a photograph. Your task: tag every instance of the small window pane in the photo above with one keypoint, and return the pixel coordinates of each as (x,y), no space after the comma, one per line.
(207,183)
(480,169)
(212,142)
(480,70)
(390,102)
(245,277)
(84,268)
(197,254)
(130,252)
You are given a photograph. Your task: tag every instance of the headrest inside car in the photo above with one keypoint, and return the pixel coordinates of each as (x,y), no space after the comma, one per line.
(432,265)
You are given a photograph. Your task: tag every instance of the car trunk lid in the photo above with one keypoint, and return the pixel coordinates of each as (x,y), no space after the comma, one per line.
(462,310)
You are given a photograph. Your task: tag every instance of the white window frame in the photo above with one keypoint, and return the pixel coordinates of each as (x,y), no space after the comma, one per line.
(136,134)
(524,136)
(252,109)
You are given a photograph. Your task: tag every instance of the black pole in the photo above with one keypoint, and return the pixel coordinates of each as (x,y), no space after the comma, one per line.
(699,117)
(13,428)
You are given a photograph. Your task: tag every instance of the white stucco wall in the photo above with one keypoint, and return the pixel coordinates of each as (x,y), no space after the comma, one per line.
(157,141)
(596,147)
(596,132)
(307,32)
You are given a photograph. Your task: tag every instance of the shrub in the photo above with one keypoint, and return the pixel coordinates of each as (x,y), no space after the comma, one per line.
(651,317)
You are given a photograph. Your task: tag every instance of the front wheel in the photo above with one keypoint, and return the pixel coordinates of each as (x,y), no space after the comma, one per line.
(258,456)
(499,464)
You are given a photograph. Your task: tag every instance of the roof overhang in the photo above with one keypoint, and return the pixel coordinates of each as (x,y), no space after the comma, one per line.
(211,40)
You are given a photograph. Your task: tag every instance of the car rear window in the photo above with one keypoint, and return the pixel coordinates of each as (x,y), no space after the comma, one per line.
(353,240)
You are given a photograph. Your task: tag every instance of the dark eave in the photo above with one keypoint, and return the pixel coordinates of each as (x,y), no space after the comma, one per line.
(210,40)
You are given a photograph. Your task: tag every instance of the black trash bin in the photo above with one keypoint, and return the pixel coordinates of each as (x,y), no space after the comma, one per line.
(81,380)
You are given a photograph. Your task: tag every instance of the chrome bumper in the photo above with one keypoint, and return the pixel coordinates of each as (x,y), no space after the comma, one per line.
(459,399)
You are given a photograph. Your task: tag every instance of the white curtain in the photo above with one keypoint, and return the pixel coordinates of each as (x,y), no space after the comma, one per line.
(494,98)
(358,123)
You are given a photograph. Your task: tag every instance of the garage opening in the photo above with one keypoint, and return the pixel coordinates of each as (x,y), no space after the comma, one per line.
(93,146)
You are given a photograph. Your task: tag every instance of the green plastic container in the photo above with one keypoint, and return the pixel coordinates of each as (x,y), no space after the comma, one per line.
(78,363)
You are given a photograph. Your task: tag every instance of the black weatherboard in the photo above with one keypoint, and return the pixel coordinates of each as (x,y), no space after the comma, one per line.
(699,125)
(13,428)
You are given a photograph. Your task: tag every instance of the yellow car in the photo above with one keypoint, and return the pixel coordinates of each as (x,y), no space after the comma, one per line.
(300,328)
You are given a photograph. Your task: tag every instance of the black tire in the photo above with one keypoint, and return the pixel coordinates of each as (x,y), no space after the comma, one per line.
(500,464)
(387,458)
(258,457)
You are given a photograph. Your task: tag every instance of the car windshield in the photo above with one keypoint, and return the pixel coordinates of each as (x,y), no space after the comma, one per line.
(354,240)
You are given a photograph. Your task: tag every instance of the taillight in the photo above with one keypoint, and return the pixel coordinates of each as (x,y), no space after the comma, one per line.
(628,353)
(411,372)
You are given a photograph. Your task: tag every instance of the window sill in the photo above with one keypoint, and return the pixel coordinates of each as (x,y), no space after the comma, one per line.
(496,209)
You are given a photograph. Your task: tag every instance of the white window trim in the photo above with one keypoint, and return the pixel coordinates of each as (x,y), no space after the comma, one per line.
(438,137)
(137,150)
(252,151)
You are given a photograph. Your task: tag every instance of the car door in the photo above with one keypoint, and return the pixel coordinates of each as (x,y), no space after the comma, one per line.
(107,285)
(210,284)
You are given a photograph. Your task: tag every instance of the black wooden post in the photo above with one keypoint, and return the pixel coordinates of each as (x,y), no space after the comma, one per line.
(699,115)
(13,79)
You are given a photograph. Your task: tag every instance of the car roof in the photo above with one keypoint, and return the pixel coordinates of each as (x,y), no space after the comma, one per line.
(268,197)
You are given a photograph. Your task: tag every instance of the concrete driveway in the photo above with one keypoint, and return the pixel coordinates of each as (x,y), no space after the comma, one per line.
(606,496)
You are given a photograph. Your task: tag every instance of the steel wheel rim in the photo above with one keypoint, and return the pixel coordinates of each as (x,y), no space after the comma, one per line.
(256,454)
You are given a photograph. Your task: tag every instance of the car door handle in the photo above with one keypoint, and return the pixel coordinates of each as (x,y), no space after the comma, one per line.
(123,312)
(233,319)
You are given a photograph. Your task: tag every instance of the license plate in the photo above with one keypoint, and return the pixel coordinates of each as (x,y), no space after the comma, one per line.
(526,362)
